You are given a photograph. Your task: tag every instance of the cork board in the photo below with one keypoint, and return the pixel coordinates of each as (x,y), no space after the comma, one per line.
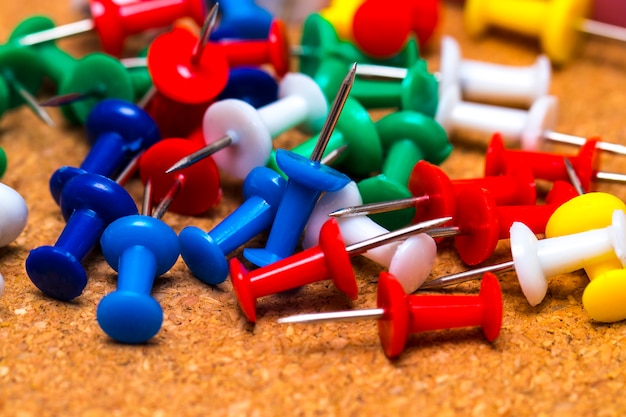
(208,360)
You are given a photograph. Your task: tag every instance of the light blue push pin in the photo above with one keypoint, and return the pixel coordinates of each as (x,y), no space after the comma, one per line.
(308,178)
(89,203)
(205,253)
(139,248)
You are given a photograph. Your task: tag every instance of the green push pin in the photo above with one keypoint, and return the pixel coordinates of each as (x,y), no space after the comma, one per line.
(137,68)
(417,91)
(87,80)
(326,58)
(407,137)
(3,162)
(356,132)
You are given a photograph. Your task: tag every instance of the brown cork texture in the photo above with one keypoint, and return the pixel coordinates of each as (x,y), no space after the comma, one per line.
(208,360)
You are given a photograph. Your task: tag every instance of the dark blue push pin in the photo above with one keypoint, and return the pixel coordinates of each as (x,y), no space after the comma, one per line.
(252,85)
(307,179)
(205,253)
(242,19)
(119,130)
(139,248)
(89,202)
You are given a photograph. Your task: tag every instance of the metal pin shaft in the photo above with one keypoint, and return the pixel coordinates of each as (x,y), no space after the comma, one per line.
(465,276)
(28,98)
(372,313)
(573,176)
(375,208)
(200,154)
(58,32)
(161,209)
(205,33)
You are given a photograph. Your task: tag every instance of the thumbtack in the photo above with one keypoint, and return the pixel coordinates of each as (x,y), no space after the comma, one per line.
(535,260)
(562,23)
(244,134)
(308,178)
(205,253)
(407,137)
(114,21)
(549,166)
(340,14)
(191,191)
(400,314)
(81,83)
(330,259)
(13,214)
(394,25)
(410,261)
(118,130)
(139,248)
(187,68)
(89,202)
(362,152)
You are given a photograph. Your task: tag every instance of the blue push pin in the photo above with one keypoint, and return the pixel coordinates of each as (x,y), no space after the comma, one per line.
(252,85)
(139,248)
(242,19)
(307,179)
(205,253)
(89,202)
(118,130)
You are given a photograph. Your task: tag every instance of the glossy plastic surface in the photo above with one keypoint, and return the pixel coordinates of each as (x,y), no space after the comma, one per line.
(139,248)
(242,19)
(307,180)
(115,21)
(86,204)
(13,214)
(200,183)
(252,85)
(409,314)
(329,260)
(205,253)
(176,77)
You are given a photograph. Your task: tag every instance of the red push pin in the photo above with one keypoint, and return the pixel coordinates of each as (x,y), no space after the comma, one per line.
(549,166)
(400,314)
(191,191)
(115,20)
(274,50)
(188,68)
(329,260)
(394,25)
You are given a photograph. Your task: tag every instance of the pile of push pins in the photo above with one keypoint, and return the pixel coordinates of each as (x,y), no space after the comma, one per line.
(200,102)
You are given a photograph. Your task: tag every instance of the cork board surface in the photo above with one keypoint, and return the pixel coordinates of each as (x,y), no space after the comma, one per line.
(208,360)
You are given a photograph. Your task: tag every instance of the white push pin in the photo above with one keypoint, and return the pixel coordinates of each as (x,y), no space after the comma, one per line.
(13,214)
(535,260)
(244,134)
(410,261)
(523,127)
(485,82)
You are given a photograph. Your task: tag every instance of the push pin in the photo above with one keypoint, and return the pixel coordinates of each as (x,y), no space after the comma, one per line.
(81,83)
(492,83)
(407,137)
(325,57)
(550,166)
(363,153)
(394,25)
(188,68)
(205,253)
(559,24)
(118,130)
(89,203)
(340,14)
(244,134)
(330,259)
(191,191)
(535,260)
(252,85)
(603,298)
(410,261)
(21,75)
(308,178)
(3,162)
(400,314)
(139,248)
(114,21)
(13,214)
(242,19)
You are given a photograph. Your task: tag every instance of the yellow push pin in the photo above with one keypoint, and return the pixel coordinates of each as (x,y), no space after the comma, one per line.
(559,24)
(340,13)
(587,212)
(604,298)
